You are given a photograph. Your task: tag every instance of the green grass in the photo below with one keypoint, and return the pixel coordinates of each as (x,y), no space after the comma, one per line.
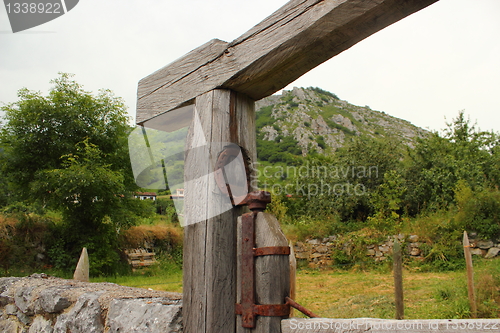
(428,295)
(165,277)
(357,294)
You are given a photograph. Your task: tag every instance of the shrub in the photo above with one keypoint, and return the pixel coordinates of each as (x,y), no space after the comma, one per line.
(478,210)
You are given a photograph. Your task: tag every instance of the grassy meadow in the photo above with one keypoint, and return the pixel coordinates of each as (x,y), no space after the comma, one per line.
(356,293)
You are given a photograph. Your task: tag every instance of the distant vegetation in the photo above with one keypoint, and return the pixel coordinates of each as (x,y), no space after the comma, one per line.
(433,184)
(333,168)
(67,182)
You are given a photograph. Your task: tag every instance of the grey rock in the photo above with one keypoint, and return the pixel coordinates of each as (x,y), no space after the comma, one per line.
(484,244)
(332,238)
(313,241)
(50,300)
(476,251)
(492,252)
(11,309)
(5,283)
(415,251)
(144,316)
(384,249)
(269,133)
(472,235)
(41,325)
(23,318)
(322,249)
(9,326)
(413,238)
(25,300)
(302,255)
(84,316)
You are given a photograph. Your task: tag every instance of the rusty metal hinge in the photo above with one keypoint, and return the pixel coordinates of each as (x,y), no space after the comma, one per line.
(248,310)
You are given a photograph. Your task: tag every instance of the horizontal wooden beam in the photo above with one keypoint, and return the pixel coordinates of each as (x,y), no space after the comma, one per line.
(296,38)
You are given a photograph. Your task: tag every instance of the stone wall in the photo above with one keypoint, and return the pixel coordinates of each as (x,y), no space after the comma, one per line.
(318,252)
(44,304)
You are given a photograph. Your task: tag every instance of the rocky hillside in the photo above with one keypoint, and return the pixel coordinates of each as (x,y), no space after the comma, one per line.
(310,119)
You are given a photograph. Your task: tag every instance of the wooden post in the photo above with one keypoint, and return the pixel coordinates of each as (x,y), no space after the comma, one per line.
(272,273)
(398,280)
(470,275)
(210,245)
(293,275)
(82,267)
(287,44)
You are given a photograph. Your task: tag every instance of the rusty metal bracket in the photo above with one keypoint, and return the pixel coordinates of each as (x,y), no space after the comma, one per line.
(265,310)
(247,271)
(248,310)
(299,307)
(271,250)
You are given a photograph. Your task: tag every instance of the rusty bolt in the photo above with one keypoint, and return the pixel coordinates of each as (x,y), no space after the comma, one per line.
(257,201)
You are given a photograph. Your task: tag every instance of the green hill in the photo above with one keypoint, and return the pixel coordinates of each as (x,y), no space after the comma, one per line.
(311,120)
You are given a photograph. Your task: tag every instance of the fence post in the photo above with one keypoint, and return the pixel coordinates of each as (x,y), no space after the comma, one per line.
(470,275)
(293,275)
(398,280)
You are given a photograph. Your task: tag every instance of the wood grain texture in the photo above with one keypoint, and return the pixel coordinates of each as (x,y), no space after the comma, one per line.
(293,274)
(398,280)
(363,325)
(209,263)
(296,38)
(470,275)
(272,273)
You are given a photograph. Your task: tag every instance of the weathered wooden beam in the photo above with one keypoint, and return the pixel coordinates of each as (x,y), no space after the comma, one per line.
(209,256)
(296,38)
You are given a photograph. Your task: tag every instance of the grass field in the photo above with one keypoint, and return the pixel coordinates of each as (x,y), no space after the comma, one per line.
(357,294)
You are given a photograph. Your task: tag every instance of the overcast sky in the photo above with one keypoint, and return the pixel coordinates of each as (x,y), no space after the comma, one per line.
(423,69)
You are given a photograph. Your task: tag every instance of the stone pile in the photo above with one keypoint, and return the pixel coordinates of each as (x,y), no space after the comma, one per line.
(318,252)
(485,248)
(44,304)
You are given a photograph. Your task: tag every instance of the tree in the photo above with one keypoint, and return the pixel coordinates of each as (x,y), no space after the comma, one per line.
(438,163)
(68,151)
(40,129)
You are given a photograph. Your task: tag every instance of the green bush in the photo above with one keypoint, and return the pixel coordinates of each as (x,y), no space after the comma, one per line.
(478,210)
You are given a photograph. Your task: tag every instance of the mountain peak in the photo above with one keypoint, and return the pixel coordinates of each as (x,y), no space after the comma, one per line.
(317,120)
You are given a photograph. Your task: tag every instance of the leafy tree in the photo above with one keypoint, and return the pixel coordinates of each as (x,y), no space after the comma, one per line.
(344,182)
(40,129)
(438,163)
(68,151)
